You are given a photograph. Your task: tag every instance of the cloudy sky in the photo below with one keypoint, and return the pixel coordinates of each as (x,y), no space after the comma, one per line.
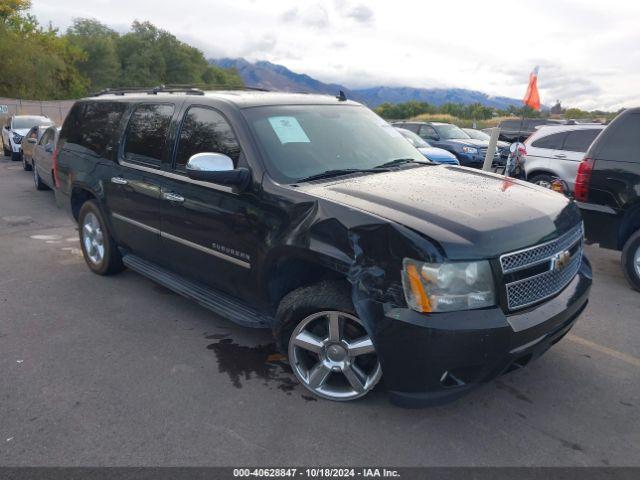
(588,51)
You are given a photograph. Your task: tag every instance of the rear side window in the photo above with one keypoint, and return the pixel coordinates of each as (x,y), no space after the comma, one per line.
(46,138)
(205,130)
(147,133)
(552,142)
(92,124)
(510,124)
(579,140)
(622,142)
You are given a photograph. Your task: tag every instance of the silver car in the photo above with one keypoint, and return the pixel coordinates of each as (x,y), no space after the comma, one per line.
(554,152)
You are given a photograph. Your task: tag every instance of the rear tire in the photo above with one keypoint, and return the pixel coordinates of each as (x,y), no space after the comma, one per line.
(542,180)
(16,156)
(631,260)
(26,166)
(99,249)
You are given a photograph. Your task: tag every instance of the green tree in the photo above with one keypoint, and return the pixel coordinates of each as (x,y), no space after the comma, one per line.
(101,64)
(37,62)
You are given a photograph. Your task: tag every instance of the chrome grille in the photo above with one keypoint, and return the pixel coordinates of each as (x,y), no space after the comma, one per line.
(528,257)
(527,291)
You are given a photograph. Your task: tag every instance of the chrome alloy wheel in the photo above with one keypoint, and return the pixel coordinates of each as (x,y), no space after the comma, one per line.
(636,261)
(92,238)
(543,184)
(333,357)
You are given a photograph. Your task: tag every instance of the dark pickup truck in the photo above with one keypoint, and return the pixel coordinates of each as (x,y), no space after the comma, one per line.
(312,216)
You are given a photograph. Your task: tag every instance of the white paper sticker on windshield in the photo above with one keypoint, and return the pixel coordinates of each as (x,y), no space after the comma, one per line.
(288,130)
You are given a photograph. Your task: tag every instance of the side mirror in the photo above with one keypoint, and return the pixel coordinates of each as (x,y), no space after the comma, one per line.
(217,168)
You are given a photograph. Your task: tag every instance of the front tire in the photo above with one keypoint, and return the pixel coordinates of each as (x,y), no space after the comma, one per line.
(16,156)
(631,260)
(329,349)
(26,166)
(37,180)
(99,249)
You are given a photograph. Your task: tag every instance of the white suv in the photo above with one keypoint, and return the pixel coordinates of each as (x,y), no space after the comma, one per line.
(555,152)
(16,128)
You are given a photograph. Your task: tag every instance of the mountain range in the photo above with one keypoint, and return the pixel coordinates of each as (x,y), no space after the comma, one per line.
(271,76)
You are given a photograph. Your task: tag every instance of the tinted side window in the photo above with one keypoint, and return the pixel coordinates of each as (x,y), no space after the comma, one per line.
(553,142)
(92,125)
(411,126)
(510,124)
(428,132)
(579,140)
(621,143)
(46,138)
(205,130)
(147,133)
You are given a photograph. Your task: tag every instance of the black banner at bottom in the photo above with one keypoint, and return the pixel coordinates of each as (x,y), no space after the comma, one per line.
(405,473)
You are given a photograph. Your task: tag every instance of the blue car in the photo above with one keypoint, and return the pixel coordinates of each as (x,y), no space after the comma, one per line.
(436,155)
(469,151)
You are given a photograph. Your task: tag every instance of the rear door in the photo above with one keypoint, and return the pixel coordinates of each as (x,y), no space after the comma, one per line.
(568,157)
(543,153)
(41,155)
(208,231)
(615,180)
(133,188)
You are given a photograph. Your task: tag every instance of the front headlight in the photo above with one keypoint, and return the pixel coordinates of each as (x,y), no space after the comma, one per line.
(445,287)
(470,150)
(17,138)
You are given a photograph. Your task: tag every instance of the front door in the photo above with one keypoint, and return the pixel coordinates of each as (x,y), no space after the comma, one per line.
(209,233)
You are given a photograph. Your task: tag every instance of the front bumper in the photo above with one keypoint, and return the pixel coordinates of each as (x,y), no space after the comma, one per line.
(431,359)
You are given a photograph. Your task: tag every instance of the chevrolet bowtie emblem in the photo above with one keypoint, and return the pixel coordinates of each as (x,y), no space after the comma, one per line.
(560,260)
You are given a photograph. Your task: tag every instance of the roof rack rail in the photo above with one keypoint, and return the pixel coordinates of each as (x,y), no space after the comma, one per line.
(188,89)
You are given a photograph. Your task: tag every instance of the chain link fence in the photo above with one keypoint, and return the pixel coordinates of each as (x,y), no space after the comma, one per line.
(56,110)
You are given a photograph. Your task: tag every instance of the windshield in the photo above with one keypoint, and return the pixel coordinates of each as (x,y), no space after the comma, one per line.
(299,141)
(413,138)
(20,123)
(477,134)
(449,132)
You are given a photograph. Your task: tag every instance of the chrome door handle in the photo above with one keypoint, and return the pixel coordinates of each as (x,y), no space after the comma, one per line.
(560,155)
(119,181)
(172,197)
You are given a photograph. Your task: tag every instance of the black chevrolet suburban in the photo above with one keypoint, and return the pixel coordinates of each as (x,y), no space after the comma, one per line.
(607,188)
(312,216)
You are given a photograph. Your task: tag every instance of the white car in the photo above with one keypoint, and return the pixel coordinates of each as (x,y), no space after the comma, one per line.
(554,152)
(15,130)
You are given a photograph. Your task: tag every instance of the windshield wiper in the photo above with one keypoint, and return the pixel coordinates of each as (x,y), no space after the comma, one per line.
(340,171)
(401,161)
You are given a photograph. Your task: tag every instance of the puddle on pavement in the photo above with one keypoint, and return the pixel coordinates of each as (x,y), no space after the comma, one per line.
(262,362)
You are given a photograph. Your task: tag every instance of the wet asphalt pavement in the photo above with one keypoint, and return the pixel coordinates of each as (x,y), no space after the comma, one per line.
(120,371)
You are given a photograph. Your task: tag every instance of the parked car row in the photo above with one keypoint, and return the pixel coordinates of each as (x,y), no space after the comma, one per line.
(469,151)
(16,128)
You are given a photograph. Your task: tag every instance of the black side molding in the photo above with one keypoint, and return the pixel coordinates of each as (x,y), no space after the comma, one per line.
(220,303)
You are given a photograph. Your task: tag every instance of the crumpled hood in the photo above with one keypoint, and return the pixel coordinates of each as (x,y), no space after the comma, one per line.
(471,214)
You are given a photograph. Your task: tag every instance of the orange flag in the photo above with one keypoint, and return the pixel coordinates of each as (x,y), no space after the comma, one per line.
(532,98)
